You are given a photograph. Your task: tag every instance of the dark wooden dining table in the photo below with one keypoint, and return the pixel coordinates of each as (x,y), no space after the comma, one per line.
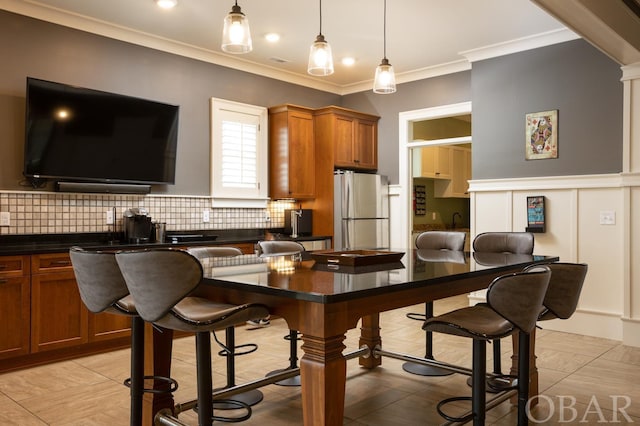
(325,300)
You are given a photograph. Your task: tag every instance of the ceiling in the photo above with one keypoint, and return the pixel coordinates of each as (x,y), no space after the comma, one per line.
(425,38)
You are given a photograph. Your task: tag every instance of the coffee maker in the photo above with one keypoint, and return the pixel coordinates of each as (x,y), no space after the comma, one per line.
(137,226)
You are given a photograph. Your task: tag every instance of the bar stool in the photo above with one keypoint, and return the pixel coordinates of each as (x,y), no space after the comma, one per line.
(274,248)
(514,302)
(230,349)
(565,287)
(102,289)
(160,282)
(432,244)
(507,243)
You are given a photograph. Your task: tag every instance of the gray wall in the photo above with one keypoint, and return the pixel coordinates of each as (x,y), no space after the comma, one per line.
(445,90)
(51,52)
(576,79)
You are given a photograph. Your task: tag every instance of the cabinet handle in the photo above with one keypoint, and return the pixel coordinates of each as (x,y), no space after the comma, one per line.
(61,263)
(4,281)
(3,266)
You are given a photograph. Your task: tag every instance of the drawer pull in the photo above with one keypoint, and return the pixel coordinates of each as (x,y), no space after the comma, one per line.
(61,263)
(4,281)
(2,266)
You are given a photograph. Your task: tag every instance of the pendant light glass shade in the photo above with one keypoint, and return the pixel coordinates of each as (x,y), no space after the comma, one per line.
(385,79)
(320,56)
(236,35)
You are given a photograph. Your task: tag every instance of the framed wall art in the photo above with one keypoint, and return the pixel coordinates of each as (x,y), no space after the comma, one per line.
(541,136)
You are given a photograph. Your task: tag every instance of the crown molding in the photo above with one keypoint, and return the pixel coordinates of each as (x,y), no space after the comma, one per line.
(520,45)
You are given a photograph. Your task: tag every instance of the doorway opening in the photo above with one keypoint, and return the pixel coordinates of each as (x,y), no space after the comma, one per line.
(435,165)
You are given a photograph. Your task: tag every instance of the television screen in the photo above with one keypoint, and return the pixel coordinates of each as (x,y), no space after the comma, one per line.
(79,134)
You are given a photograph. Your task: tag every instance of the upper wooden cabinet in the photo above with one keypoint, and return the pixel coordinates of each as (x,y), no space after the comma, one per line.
(435,162)
(352,136)
(458,184)
(291,152)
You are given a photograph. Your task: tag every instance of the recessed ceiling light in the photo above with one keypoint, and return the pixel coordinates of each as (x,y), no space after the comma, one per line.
(272,37)
(348,61)
(167,4)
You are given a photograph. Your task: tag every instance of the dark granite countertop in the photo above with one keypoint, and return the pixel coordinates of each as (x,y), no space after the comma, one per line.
(25,244)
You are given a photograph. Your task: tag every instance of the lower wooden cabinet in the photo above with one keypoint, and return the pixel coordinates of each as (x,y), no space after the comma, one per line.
(15,313)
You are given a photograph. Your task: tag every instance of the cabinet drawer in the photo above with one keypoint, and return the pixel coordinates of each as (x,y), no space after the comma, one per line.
(52,262)
(14,266)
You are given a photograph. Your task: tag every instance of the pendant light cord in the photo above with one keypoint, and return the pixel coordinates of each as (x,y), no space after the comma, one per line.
(321,17)
(384,29)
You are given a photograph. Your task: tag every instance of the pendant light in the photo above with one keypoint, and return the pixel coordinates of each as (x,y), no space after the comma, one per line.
(320,57)
(385,79)
(236,36)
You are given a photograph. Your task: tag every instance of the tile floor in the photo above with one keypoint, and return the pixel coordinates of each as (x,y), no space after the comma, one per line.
(595,380)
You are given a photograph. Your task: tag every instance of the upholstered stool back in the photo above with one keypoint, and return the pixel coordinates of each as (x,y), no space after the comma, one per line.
(504,242)
(441,240)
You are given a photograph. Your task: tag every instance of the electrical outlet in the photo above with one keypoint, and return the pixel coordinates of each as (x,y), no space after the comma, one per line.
(607,217)
(5,219)
(206,215)
(109,217)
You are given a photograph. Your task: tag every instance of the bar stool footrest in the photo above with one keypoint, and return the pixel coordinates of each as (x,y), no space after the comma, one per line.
(229,404)
(416,316)
(248,348)
(451,418)
(172,384)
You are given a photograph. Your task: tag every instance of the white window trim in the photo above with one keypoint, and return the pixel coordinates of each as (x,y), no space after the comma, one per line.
(237,197)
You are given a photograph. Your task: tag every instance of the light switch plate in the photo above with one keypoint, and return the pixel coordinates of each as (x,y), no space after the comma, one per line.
(607,217)
(5,219)
(206,216)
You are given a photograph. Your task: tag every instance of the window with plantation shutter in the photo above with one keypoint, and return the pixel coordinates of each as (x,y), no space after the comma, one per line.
(239,154)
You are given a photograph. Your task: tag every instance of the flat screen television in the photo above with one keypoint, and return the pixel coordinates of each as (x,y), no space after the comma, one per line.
(75,134)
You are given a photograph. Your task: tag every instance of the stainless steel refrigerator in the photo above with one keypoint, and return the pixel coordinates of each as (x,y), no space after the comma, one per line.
(361,211)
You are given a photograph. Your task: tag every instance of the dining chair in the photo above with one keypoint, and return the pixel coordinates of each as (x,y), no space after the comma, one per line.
(514,302)
(432,244)
(103,289)
(161,282)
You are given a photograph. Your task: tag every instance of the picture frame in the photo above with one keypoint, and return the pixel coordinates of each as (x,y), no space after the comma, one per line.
(541,135)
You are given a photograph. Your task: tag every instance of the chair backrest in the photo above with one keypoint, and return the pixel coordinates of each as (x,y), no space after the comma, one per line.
(504,242)
(449,256)
(215,251)
(441,240)
(99,279)
(158,279)
(278,248)
(518,297)
(564,289)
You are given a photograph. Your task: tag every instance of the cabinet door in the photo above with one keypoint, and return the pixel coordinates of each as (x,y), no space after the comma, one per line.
(366,145)
(343,143)
(106,326)
(14,306)
(301,156)
(59,319)
(436,162)
(461,163)
(291,153)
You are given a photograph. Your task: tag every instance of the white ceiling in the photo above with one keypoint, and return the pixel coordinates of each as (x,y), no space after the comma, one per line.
(424,37)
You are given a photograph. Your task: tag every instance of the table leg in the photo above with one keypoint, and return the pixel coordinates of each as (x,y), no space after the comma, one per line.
(370,337)
(157,362)
(323,372)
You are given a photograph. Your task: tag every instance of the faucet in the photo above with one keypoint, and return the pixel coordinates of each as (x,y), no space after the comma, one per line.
(295,214)
(453,219)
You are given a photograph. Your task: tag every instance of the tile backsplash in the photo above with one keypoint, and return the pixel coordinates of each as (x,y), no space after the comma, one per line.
(58,212)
